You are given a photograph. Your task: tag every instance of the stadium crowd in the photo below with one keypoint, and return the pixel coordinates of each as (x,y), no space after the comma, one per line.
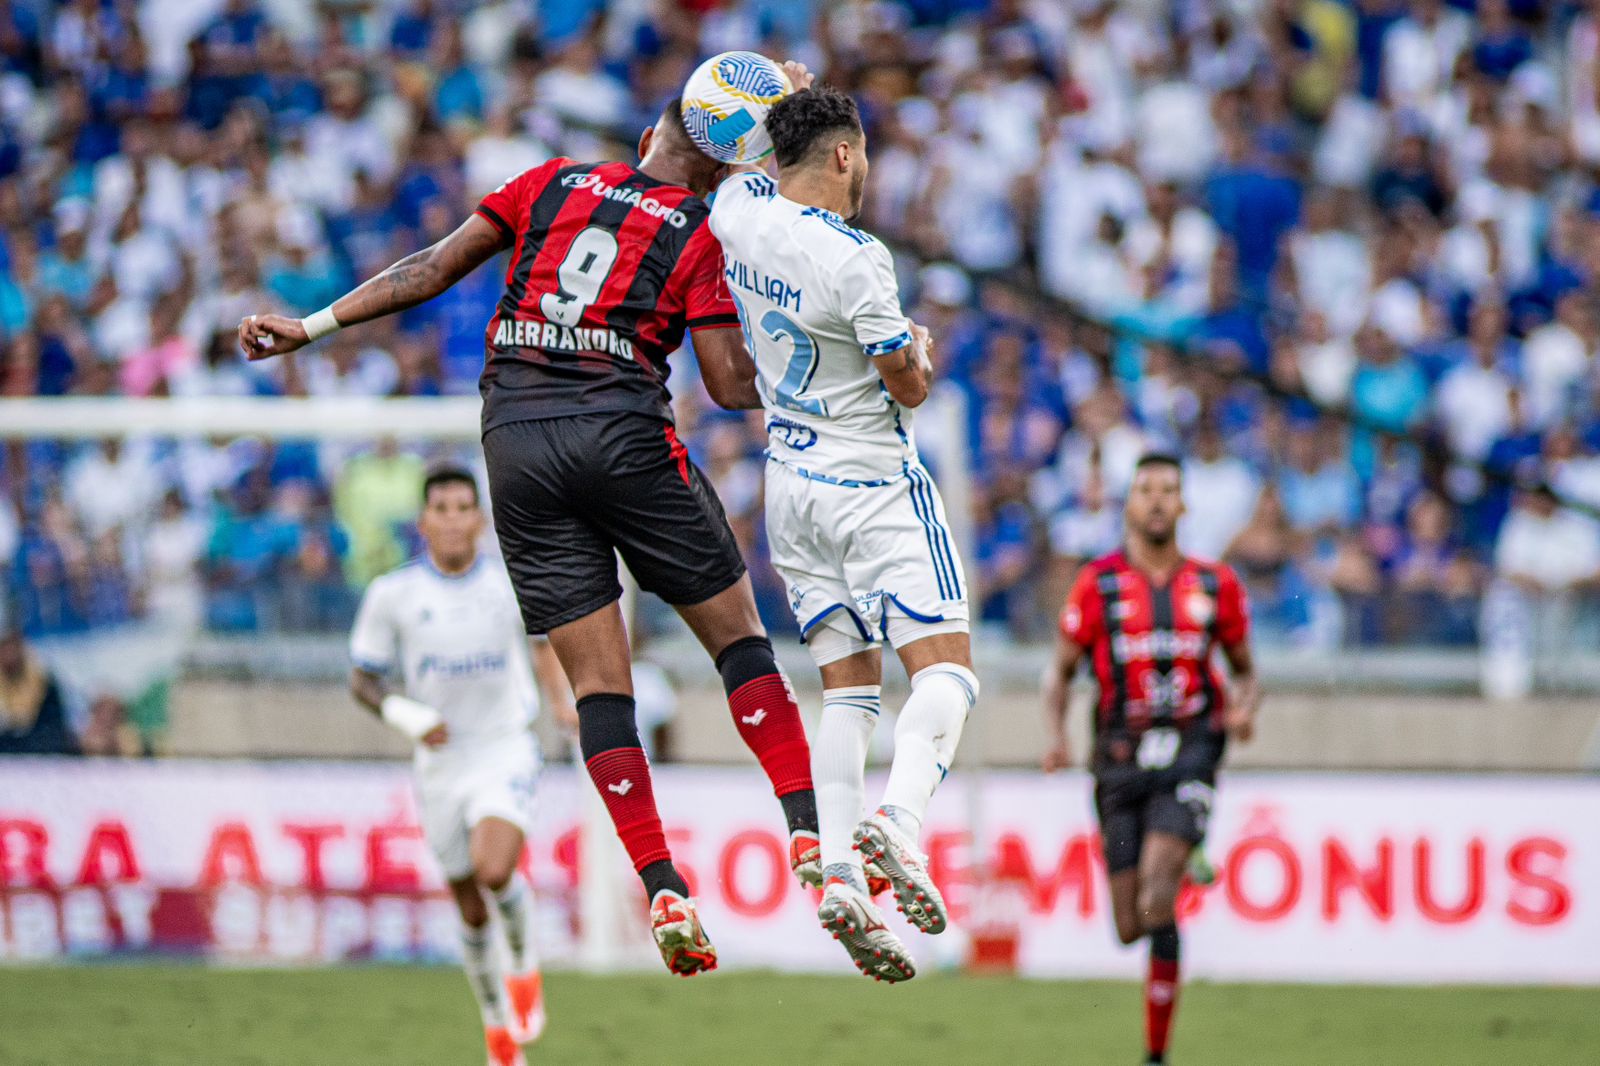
(1269,214)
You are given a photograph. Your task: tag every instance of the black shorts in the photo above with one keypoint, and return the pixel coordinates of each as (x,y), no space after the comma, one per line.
(1132,801)
(568,491)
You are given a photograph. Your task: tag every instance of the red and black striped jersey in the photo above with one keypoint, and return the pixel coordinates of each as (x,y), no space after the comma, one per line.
(608,268)
(1151,644)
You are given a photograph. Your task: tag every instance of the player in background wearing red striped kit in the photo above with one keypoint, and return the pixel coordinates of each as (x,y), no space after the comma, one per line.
(1148,618)
(610,265)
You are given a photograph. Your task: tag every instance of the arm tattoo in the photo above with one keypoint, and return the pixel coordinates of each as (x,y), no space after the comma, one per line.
(422,275)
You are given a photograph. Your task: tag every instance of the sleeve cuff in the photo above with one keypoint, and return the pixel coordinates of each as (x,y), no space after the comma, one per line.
(371,666)
(499,223)
(712,321)
(887,347)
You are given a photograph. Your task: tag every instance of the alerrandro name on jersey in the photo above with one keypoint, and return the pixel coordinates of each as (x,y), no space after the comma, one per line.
(531,333)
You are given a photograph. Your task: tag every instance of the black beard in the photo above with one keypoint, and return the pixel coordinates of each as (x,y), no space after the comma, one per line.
(1159,540)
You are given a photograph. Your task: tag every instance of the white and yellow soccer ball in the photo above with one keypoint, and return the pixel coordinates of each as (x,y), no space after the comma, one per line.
(725,105)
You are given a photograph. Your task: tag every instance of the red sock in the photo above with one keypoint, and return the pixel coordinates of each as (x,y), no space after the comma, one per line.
(622,776)
(769,722)
(1160,1000)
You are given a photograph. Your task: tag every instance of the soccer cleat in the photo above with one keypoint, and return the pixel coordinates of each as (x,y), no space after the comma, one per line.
(503,1050)
(881,841)
(675,924)
(525,994)
(805,857)
(877,882)
(855,921)
(1199,868)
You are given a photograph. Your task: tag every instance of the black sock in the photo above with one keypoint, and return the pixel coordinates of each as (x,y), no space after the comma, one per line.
(1164,943)
(660,875)
(800,808)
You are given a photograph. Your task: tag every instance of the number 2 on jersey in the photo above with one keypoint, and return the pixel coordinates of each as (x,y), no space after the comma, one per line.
(802,365)
(581,275)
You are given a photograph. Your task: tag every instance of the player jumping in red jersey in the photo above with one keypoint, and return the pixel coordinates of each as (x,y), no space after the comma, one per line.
(1149,618)
(610,265)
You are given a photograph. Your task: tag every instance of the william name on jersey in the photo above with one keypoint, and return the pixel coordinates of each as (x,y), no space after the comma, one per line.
(752,279)
(526,333)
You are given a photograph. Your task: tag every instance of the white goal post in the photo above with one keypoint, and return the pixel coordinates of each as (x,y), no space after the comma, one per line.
(452,418)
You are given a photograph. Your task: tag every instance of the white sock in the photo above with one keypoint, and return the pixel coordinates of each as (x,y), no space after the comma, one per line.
(838,773)
(479,959)
(925,740)
(515,902)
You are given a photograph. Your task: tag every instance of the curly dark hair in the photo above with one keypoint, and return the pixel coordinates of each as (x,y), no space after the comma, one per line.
(802,119)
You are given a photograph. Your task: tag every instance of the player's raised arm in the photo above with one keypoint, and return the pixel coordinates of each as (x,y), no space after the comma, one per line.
(417,278)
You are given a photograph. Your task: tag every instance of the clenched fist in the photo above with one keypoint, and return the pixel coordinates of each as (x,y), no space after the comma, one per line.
(264,336)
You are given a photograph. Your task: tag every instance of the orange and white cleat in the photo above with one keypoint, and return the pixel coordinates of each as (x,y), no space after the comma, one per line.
(503,1049)
(675,924)
(525,994)
(805,857)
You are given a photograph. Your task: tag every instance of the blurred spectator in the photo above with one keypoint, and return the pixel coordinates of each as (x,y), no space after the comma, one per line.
(1320,490)
(1438,582)
(1545,549)
(108,733)
(33,718)
(112,485)
(1219,496)
(174,546)
(376,497)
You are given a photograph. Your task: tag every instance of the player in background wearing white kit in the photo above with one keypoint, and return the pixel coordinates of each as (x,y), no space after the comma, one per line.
(856,526)
(448,621)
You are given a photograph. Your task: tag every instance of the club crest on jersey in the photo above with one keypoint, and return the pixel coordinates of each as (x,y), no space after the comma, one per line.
(1200,608)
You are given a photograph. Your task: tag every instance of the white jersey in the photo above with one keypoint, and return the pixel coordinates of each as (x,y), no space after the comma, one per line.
(459,645)
(818,302)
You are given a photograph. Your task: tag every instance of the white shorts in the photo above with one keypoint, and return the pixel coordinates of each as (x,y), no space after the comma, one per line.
(458,791)
(864,563)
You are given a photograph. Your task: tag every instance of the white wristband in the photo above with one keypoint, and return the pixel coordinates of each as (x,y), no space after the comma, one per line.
(320,324)
(416,720)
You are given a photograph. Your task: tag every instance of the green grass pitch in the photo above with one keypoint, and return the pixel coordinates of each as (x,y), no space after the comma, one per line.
(151,1015)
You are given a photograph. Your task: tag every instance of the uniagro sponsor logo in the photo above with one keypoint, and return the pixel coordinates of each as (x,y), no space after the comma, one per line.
(594,183)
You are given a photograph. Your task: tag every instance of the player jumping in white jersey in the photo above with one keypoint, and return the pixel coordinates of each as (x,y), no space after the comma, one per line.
(857,528)
(449,623)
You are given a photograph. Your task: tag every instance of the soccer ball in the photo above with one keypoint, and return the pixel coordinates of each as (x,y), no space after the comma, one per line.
(725,105)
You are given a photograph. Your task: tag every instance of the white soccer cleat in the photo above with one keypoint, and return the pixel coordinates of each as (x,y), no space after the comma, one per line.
(916,896)
(855,921)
